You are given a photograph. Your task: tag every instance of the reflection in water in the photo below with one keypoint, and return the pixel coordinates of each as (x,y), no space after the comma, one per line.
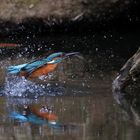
(127,97)
(90,117)
(38,116)
(44,112)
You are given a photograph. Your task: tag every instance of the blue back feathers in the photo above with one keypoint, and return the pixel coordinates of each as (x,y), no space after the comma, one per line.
(54,55)
(29,67)
(15,69)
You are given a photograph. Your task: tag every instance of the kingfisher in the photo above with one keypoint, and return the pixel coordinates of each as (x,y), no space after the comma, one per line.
(41,66)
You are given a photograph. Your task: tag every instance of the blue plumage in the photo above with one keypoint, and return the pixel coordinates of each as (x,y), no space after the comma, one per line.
(32,66)
(29,67)
(16,69)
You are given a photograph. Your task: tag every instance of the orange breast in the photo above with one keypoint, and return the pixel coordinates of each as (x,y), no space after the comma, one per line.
(44,70)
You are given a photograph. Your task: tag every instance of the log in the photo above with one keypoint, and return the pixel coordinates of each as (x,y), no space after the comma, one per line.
(128,76)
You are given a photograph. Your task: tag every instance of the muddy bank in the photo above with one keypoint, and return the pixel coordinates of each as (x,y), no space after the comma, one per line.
(21,14)
(55,11)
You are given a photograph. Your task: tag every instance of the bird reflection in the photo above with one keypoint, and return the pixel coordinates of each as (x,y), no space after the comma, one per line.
(45,113)
(42,116)
(33,116)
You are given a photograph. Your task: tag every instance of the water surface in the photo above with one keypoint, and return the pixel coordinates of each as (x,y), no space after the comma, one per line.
(79,91)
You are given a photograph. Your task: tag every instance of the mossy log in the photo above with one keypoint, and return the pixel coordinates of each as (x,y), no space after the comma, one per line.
(128,76)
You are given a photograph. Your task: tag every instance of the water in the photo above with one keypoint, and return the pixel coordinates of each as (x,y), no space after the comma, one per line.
(79,92)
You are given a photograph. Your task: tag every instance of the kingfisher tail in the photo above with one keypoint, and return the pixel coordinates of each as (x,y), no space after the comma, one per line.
(15,69)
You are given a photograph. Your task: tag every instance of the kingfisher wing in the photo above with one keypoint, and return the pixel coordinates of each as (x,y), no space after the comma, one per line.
(28,67)
(32,66)
(15,69)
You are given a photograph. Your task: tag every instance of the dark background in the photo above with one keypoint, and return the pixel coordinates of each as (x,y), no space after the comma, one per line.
(117,35)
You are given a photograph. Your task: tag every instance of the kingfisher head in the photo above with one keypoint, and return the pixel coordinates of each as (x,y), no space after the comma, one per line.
(58,57)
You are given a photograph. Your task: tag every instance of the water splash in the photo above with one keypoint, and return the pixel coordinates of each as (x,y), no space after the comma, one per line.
(21,87)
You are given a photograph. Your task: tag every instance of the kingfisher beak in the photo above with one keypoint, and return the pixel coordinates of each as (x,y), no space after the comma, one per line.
(70,54)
